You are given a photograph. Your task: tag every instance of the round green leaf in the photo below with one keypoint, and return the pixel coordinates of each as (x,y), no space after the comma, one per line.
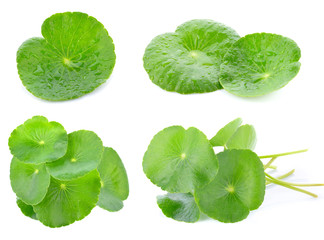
(188,60)
(259,63)
(179,160)
(243,138)
(179,206)
(69,201)
(114,181)
(238,187)
(75,56)
(38,141)
(26,209)
(83,155)
(29,181)
(224,134)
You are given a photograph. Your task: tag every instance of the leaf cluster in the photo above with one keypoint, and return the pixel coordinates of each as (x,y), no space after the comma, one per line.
(225,186)
(59,178)
(204,56)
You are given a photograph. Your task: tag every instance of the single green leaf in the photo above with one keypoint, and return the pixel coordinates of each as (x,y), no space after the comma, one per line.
(29,181)
(69,201)
(75,56)
(83,155)
(114,181)
(38,141)
(258,64)
(224,134)
(188,60)
(179,206)
(238,187)
(26,209)
(243,138)
(179,160)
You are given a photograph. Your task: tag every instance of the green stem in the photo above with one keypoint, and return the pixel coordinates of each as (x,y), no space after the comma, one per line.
(304,184)
(283,176)
(283,154)
(284,184)
(267,165)
(286,174)
(272,167)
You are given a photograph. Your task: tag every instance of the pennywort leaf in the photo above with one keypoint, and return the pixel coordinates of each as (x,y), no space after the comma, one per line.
(179,206)
(235,136)
(69,201)
(38,141)
(180,160)
(30,182)
(114,181)
(243,138)
(73,58)
(26,209)
(258,64)
(83,155)
(238,187)
(188,60)
(225,133)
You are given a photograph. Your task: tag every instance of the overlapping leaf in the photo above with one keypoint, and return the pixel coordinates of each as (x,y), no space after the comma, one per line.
(83,155)
(179,160)
(38,141)
(188,60)
(179,206)
(114,182)
(69,201)
(238,187)
(259,63)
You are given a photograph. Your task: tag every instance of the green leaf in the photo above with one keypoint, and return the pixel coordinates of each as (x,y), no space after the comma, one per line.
(238,187)
(179,160)
(75,56)
(259,63)
(38,141)
(114,182)
(69,201)
(188,60)
(224,134)
(26,209)
(83,155)
(29,181)
(179,206)
(243,138)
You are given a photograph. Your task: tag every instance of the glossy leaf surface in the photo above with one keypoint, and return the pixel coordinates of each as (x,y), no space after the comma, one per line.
(75,56)
(259,63)
(188,60)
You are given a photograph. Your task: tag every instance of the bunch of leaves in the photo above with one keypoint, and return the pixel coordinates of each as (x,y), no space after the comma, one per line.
(73,58)
(205,56)
(59,178)
(225,186)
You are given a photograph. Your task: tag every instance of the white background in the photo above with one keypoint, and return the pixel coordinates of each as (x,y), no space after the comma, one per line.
(129,109)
